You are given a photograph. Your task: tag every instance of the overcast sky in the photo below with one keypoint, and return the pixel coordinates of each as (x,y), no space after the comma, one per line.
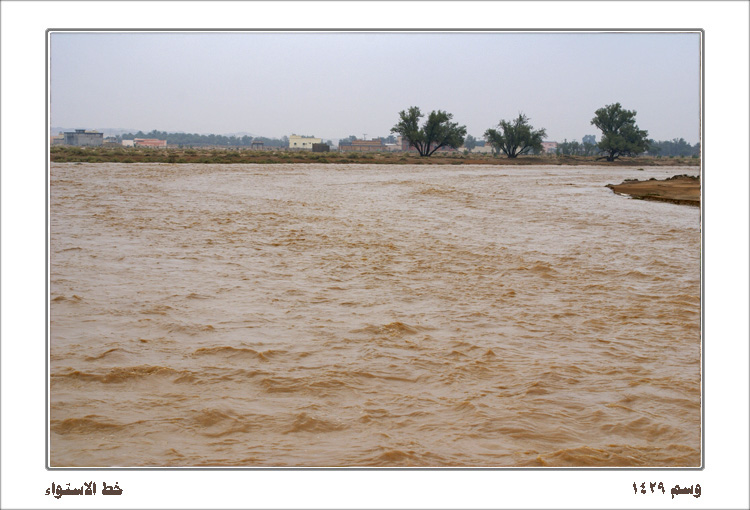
(333,85)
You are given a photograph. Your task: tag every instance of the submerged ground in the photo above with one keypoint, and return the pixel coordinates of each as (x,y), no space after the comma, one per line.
(371,315)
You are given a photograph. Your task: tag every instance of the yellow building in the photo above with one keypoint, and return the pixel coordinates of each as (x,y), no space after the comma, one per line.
(303,142)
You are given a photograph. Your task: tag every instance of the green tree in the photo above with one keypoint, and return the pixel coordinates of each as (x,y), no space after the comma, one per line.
(589,145)
(567,148)
(620,135)
(672,148)
(515,137)
(470,142)
(437,132)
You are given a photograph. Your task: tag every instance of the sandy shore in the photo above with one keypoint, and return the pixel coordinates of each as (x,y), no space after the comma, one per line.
(680,189)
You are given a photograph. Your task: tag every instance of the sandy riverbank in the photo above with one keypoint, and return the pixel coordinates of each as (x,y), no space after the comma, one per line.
(680,189)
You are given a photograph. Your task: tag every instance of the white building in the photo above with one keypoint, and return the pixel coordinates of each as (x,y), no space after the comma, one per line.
(303,142)
(485,149)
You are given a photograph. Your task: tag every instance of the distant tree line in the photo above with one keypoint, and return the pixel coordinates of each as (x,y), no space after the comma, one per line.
(349,139)
(677,147)
(471,142)
(194,139)
(587,147)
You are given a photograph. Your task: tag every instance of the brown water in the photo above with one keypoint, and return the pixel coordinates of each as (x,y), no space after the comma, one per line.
(353,315)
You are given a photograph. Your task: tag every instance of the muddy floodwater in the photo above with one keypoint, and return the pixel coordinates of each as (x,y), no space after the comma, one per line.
(352,315)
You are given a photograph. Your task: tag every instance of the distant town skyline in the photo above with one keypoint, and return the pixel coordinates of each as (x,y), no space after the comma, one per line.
(336,84)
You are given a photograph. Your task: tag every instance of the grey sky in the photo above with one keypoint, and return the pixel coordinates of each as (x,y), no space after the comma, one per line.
(332,85)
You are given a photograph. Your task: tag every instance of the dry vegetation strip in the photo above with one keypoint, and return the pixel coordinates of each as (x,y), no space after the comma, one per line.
(221,155)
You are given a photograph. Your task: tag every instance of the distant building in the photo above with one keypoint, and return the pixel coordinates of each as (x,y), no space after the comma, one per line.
(128,143)
(57,139)
(150,142)
(549,147)
(485,149)
(363,146)
(320,147)
(83,138)
(257,145)
(303,142)
(111,141)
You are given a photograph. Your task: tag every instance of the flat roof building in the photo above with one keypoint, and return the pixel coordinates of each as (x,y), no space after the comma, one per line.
(149,142)
(363,145)
(303,142)
(83,138)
